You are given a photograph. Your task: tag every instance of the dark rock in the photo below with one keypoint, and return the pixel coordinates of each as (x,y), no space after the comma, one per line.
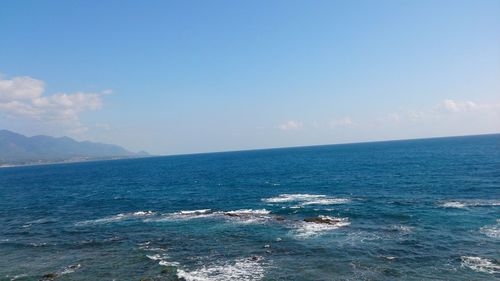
(169,270)
(324,220)
(232,215)
(49,277)
(74,266)
(256,258)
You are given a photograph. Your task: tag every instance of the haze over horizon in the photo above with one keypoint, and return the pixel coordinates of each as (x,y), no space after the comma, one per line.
(194,76)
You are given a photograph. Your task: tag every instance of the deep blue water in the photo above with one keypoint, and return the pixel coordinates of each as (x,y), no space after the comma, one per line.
(407,210)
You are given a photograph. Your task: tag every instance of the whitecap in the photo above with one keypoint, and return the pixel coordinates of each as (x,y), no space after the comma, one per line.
(70,269)
(461,204)
(293,198)
(242,215)
(162,259)
(190,214)
(168,263)
(306,199)
(402,228)
(146,246)
(154,257)
(248,212)
(310,229)
(118,217)
(454,204)
(327,201)
(248,216)
(492,231)
(40,244)
(480,264)
(194,212)
(143,213)
(244,269)
(183,215)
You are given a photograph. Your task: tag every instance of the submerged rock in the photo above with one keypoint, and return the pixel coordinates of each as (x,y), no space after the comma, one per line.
(324,220)
(232,214)
(49,277)
(172,270)
(169,270)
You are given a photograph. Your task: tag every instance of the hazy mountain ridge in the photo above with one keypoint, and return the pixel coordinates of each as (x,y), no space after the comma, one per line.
(17,149)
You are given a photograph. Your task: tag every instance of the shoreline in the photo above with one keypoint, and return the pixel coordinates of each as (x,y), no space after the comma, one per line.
(6,166)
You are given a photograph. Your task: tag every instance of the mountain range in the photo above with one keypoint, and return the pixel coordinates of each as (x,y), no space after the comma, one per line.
(17,149)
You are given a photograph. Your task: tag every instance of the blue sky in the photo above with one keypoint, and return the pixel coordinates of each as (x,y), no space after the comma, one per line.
(195,76)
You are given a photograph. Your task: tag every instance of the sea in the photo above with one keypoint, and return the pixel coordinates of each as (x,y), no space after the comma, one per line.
(424,209)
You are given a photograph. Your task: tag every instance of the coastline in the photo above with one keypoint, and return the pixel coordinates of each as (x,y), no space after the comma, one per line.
(71,161)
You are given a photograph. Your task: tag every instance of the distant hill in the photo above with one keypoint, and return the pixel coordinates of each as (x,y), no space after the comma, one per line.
(16,149)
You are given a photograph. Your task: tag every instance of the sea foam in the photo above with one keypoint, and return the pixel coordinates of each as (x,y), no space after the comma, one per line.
(326,201)
(310,229)
(242,215)
(306,199)
(293,198)
(480,264)
(462,204)
(118,217)
(243,269)
(492,231)
(70,269)
(248,212)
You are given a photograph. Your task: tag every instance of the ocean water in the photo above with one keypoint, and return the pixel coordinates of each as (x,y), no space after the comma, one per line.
(402,210)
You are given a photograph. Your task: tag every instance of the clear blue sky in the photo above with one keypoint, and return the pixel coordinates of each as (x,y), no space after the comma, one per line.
(195,76)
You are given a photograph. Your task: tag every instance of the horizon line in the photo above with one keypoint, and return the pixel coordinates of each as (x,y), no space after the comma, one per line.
(316,145)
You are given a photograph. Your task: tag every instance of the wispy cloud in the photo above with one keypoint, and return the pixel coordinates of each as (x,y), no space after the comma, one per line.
(345,121)
(445,109)
(458,106)
(290,125)
(25,98)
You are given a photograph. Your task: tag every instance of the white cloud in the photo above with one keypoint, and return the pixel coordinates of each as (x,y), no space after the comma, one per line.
(290,125)
(458,106)
(396,117)
(20,88)
(446,109)
(341,122)
(24,98)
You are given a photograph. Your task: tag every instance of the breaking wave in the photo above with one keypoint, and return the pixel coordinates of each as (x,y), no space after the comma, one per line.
(70,269)
(243,269)
(327,201)
(462,204)
(480,264)
(307,229)
(243,215)
(492,231)
(118,217)
(306,199)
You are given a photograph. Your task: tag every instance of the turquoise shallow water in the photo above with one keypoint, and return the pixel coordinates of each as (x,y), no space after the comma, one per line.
(403,210)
